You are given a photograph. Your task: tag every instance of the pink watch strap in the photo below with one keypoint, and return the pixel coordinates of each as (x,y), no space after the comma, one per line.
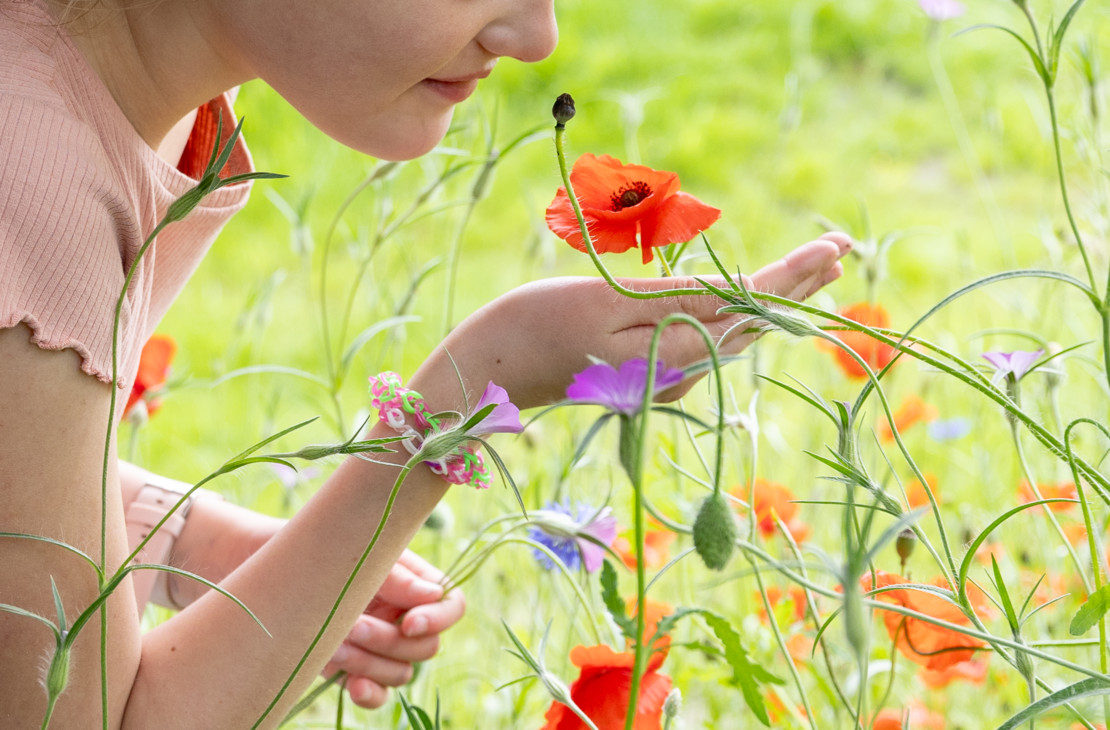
(149,507)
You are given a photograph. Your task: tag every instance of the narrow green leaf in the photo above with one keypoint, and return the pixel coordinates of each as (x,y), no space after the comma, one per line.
(1037,63)
(58,606)
(1080,690)
(199,579)
(273,369)
(417,718)
(1058,36)
(8,608)
(613,601)
(1093,609)
(1004,594)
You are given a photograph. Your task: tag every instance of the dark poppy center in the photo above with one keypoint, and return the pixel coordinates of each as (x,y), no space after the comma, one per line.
(629,195)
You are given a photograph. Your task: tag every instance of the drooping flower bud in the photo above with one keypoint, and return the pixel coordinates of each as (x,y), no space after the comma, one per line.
(904,544)
(714,532)
(563,110)
(672,706)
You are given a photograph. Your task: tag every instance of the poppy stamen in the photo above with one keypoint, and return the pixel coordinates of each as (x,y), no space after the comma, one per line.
(629,195)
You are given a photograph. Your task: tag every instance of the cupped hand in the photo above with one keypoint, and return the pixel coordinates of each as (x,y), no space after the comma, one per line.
(532,340)
(400,627)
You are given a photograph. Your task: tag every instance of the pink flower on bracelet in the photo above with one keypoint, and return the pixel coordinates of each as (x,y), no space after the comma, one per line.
(458,460)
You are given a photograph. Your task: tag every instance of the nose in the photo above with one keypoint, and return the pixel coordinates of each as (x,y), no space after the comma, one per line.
(526,31)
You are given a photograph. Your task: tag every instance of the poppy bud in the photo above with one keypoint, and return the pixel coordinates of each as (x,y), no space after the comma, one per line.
(714,532)
(563,111)
(904,544)
(672,705)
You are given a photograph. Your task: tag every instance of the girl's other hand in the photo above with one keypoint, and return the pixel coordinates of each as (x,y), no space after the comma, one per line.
(400,627)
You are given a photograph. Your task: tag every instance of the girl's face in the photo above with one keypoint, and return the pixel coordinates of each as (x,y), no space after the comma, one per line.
(381,76)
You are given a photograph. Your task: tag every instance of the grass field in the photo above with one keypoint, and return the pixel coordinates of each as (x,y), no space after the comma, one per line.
(933,149)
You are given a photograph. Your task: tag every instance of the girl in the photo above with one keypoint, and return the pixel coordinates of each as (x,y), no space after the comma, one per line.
(107,112)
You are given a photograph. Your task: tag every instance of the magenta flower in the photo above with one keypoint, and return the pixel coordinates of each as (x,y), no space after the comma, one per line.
(941,10)
(620,390)
(1011,364)
(504,418)
(568,533)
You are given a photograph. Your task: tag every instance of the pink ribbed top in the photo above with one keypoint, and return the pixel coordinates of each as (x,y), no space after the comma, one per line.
(80,191)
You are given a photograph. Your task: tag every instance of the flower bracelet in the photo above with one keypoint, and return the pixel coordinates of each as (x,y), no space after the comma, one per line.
(405,412)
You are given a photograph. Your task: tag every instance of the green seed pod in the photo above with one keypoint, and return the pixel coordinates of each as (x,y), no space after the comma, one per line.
(904,544)
(714,532)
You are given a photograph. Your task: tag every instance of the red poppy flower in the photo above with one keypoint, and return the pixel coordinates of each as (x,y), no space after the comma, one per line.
(974,671)
(654,613)
(602,690)
(876,354)
(916,495)
(933,647)
(154,367)
(627,206)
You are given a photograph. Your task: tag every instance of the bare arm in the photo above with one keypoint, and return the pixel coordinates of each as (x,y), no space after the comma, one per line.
(211,666)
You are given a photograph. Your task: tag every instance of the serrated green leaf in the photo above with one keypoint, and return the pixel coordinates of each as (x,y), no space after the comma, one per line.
(745,675)
(613,601)
(1093,609)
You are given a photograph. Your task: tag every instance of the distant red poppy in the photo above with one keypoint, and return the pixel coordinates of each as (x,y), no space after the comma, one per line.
(654,613)
(914,716)
(974,671)
(916,495)
(933,647)
(627,206)
(912,411)
(1060,490)
(657,547)
(876,354)
(154,367)
(773,502)
(602,690)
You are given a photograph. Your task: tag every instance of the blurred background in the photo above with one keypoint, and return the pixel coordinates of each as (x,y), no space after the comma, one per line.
(931,146)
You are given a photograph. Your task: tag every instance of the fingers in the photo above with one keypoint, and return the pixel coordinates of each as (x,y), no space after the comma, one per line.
(804,270)
(413,595)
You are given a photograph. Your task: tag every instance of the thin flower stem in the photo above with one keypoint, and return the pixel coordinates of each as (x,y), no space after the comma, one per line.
(1096,562)
(1028,473)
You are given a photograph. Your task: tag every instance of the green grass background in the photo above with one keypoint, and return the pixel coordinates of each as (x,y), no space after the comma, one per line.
(783,114)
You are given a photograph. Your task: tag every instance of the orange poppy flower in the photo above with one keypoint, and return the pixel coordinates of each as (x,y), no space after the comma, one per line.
(627,206)
(1061,490)
(876,354)
(929,645)
(915,492)
(796,596)
(603,687)
(912,411)
(154,367)
(772,503)
(657,548)
(973,671)
(918,717)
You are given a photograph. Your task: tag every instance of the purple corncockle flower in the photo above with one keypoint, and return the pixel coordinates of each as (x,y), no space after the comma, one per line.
(504,418)
(621,390)
(941,10)
(1011,364)
(566,533)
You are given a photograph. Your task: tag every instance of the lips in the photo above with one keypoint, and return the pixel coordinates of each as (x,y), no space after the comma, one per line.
(456,89)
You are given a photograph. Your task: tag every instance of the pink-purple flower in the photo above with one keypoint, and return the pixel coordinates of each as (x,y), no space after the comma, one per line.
(504,418)
(941,10)
(575,535)
(1011,364)
(621,390)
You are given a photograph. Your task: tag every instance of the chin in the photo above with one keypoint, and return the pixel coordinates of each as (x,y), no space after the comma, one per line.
(397,140)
